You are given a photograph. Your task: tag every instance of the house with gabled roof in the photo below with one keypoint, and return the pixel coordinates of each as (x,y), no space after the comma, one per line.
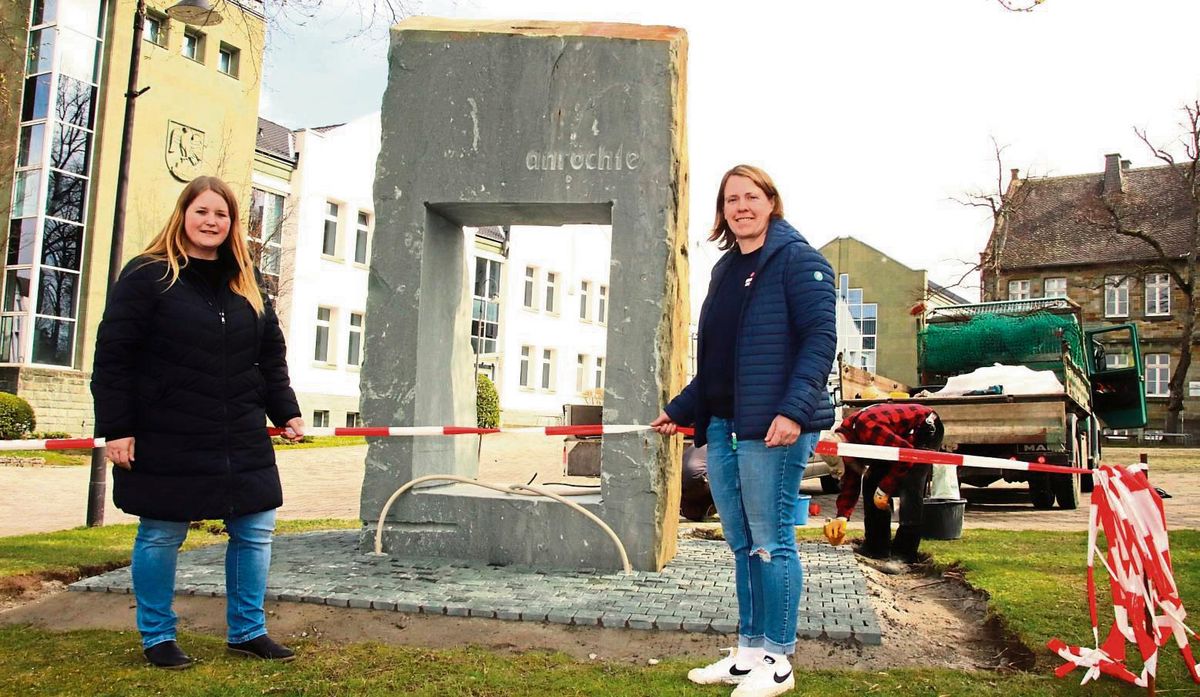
(1056,237)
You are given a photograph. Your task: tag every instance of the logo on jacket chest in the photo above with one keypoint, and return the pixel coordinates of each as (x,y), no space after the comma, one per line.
(749,280)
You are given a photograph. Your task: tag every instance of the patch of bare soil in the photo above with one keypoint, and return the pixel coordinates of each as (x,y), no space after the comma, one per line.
(927,621)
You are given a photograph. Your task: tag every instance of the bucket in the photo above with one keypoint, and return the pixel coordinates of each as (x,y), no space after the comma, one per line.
(942,519)
(802,503)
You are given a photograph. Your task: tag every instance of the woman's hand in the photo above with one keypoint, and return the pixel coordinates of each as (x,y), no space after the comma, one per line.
(664,425)
(783,431)
(120,451)
(293,432)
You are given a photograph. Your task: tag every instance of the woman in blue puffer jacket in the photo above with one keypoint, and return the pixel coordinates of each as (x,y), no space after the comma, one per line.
(767,339)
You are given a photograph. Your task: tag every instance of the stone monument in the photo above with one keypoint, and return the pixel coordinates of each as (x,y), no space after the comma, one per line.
(525,123)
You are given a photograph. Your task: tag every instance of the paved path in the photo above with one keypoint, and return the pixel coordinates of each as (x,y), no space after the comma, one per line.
(694,593)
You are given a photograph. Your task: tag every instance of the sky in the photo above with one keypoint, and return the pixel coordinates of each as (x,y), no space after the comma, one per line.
(870,115)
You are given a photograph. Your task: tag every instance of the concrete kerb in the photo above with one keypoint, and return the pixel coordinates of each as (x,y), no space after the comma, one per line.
(694,593)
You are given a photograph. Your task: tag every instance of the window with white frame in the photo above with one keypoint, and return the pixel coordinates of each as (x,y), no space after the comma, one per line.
(861,347)
(329,241)
(155,28)
(547,382)
(193,45)
(1018,290)
(530,296)
(354,341)
(264,231)
(320,418)
(485,306)
(1116,296)
(581,373)
(602,308)
(585,297)
(361,235)
(551,304)
(1158,374)
(1054,288)
(227,59)
(354,419)
(1114,361)
(599,375)
(324,331)
(1158,295)
(526,369)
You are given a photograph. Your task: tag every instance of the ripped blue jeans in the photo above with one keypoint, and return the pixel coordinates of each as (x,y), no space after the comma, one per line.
(755,489)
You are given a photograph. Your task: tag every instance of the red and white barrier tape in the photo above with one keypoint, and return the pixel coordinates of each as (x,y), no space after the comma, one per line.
(882,452)
(52,444)
(1147,609)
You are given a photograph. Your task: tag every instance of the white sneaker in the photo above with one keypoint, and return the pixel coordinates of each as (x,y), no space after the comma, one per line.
(723,672)
(765,681)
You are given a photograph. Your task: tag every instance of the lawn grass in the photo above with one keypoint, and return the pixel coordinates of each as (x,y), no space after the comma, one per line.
(319,442)
(1161,459)
(74,458)
(1035,583)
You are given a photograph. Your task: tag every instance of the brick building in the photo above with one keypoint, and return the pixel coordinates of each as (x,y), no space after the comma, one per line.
(1058,239)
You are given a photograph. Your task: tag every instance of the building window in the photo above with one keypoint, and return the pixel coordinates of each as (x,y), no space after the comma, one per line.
(581,373)
(1158,295)
(155,28)
(530,288)
(585,297)
(599,382)
(353,419)
(193,45)
(485,306)
(329,242)
(1116,296)
(264,231)
(321,349)
(1158,374)
(861,349)
(1054,288)
(551,304)
(227,59)
(547,369)
(361,235)
(1115,361)
(602,309)
(321,418)
(526,352)
(354,339)
(1018,290)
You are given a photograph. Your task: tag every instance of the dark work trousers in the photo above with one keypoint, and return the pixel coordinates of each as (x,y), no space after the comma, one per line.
(878,542)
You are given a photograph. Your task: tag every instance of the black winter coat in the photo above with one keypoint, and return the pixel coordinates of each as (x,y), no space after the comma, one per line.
(190,373)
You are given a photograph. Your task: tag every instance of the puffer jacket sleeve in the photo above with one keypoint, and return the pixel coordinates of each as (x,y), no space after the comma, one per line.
(272,362)
(120,339)
(682,409)
(812,316)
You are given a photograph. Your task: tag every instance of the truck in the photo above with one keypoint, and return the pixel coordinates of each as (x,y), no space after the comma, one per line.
(1100,370)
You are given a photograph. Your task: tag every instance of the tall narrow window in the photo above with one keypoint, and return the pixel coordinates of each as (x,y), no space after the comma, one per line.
(1018,290)
(485,306)
(321,348)
(264,232)
(585,300)
(361,234)
(530,288)
(1158,295)
(526,352)
(547,369)
(329,242)
(602,308)
(193,45)
(354,340)
(1116,296)
(1158,374)
(599,382)
(551,304)
(1054,288)
(227,59)
(581,373)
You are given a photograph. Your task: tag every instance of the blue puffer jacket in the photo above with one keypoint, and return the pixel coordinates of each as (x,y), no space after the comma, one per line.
(785,346)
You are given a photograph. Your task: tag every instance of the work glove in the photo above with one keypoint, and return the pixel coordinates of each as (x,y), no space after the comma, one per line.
(882,500)
(835,531)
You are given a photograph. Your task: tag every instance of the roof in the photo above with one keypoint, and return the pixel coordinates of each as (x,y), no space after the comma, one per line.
(946,293)
(492,232)
(1062,221)
(275,139)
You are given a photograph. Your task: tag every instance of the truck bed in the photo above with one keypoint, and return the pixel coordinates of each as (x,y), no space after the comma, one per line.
(995,419)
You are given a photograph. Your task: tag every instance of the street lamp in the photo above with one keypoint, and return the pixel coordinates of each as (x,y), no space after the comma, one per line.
(193,12)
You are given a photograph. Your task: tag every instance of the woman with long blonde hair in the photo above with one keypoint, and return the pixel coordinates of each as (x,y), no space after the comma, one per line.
(190,363)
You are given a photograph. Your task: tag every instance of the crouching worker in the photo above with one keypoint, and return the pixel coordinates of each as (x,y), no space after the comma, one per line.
(893,425)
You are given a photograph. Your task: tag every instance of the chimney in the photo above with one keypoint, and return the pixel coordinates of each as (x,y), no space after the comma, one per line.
(1125,165)
(1016,173)
(1114,174)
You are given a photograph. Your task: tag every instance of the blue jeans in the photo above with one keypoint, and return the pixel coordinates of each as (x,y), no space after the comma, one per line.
(755,489)
(247,559)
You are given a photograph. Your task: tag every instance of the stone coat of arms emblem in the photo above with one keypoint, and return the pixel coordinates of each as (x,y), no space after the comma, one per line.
(185,151)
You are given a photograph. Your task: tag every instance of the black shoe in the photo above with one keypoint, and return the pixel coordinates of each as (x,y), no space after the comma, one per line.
(263,647)
(168,655)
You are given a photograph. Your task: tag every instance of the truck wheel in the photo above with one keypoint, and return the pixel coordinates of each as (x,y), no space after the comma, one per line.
(1040,491)
(1066,490)
(830,484)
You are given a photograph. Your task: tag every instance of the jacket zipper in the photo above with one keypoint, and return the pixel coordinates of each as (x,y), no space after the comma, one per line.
(217,304)
(737,342)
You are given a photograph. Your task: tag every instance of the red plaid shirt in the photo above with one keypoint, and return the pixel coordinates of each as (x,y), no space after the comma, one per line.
(879,424)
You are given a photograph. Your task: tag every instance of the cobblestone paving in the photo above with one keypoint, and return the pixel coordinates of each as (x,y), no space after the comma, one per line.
(694,593)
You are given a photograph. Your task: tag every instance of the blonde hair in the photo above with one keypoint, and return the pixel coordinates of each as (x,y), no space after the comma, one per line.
(762,180)
(170,244)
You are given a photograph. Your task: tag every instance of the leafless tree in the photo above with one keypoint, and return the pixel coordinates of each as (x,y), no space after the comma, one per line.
(1022,6)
